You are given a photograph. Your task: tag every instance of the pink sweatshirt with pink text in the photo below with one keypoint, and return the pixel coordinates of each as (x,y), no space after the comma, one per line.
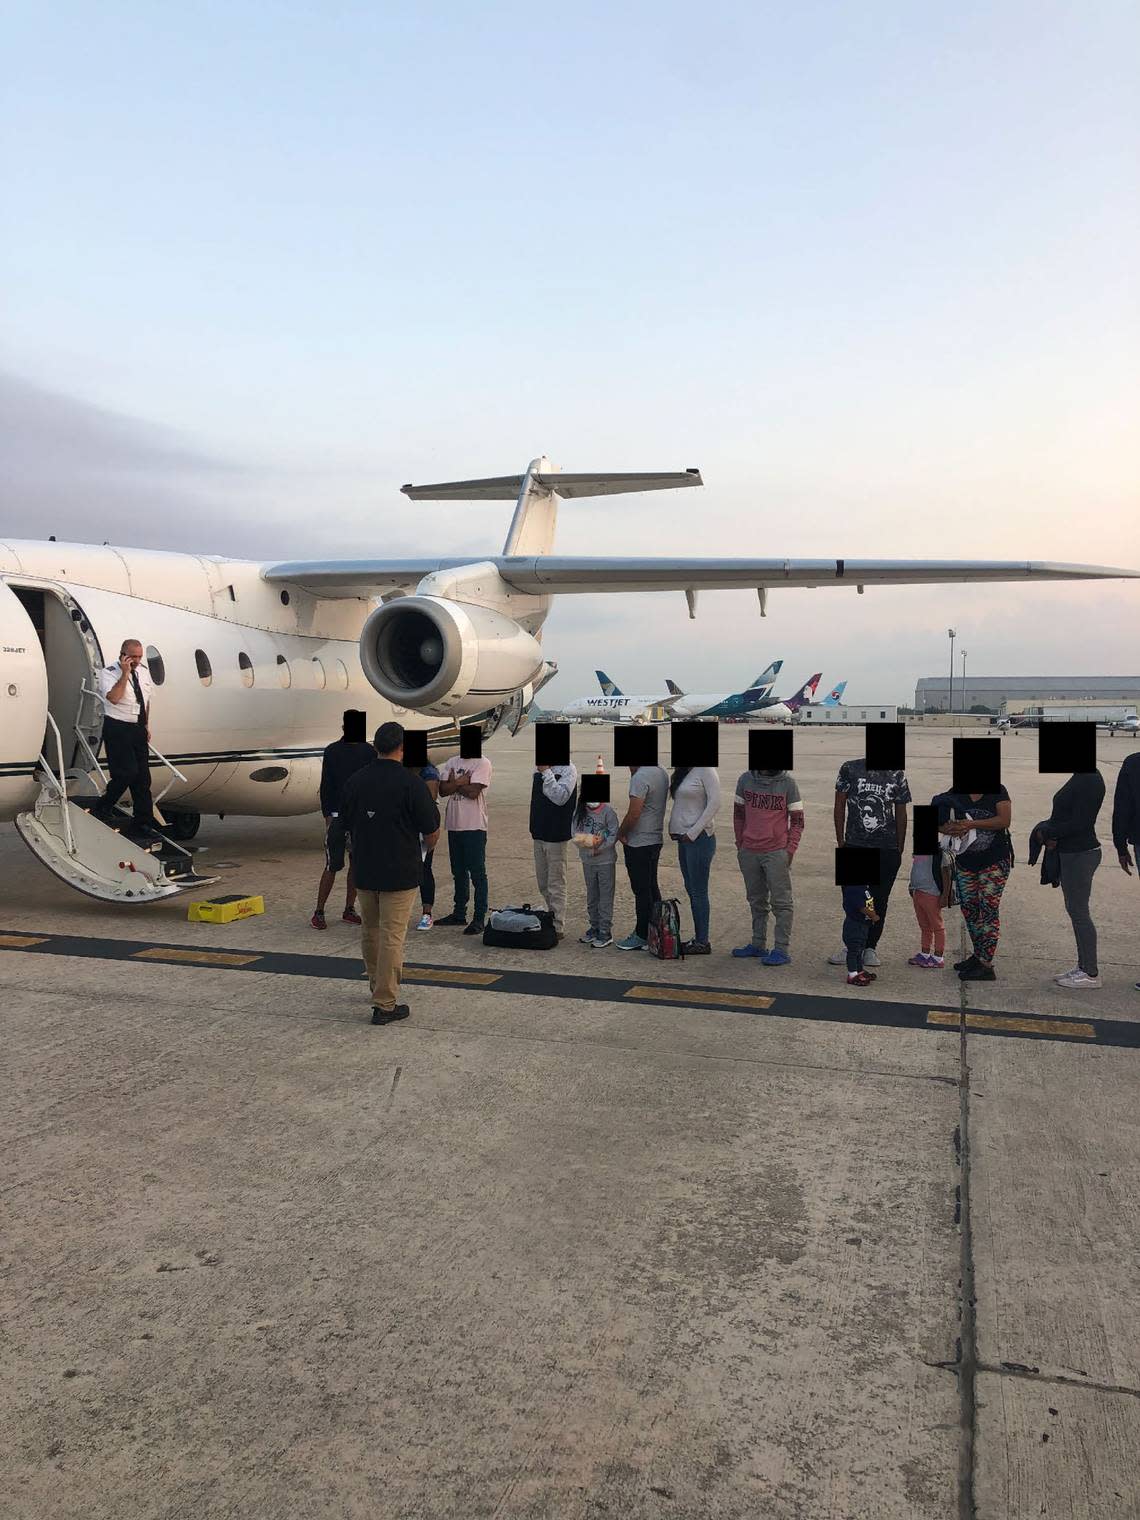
(767,813)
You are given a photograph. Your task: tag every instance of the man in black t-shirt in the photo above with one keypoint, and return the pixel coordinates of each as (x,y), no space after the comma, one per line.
(384,810)
(870,814)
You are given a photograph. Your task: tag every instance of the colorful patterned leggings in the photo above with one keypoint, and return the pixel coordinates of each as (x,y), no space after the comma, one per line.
(979,894)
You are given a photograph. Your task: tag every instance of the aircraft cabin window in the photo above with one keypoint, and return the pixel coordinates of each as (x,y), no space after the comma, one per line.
(205,673)
(155,664)
(340,675)
(245,665)
(283,674)
(318,674)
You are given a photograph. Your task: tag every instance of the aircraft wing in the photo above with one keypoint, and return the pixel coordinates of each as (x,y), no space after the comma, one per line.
(571,575)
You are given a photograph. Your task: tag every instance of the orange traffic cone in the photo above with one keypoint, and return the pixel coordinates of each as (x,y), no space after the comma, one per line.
(600,768)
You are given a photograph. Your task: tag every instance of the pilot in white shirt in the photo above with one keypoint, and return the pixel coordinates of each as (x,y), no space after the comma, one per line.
(126,689)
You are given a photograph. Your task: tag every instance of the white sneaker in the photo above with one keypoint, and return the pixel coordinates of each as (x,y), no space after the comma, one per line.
(425,922)
(838,959)
(1077,978)
(870,958)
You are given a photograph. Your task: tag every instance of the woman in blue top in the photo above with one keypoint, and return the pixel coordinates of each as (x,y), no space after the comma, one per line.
(430,775)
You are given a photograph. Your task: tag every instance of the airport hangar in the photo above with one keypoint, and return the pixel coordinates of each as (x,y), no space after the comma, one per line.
(931,693)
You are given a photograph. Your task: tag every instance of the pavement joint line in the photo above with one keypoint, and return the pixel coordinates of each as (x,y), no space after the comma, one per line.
(967,1298)
(811,1007)
(1035,1375)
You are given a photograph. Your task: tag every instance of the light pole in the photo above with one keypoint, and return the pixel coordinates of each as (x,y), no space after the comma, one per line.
(950,693)
(963,686)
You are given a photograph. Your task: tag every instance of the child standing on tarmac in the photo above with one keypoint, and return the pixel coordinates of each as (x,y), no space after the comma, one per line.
(930,893)
(858,916)
(595,834)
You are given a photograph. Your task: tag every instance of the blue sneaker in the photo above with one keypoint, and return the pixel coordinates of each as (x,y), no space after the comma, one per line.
(632,942)
(749,952)
(777,957)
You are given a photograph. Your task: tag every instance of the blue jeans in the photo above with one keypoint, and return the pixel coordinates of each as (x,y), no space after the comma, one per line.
(696,863)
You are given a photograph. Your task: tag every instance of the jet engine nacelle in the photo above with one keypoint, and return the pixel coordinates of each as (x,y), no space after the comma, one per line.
(447,658)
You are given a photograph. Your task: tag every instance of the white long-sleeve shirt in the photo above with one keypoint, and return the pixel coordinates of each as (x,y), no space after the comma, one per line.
(558,783)
(695,803)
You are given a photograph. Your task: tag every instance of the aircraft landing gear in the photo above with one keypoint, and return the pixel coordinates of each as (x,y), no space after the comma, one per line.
(182,826)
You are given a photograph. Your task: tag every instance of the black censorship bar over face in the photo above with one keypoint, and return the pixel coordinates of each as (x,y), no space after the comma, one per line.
(694,744)
(634,745)
(856,867)
(471,742)
(885,748)
(977,765)
(770,750)
(415,748)
(552,744)
(1064,749)
(594,788)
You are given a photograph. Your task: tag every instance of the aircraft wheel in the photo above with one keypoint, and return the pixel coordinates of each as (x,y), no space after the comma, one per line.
(183,826)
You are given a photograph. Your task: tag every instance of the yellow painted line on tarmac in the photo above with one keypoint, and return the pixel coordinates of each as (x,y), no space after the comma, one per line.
(196,957)
(695,996)
(20,941)
(462,978)
(1003,1023)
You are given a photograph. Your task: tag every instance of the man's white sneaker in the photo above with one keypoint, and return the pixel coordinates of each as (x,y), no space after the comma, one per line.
(871,958)
(1077,978)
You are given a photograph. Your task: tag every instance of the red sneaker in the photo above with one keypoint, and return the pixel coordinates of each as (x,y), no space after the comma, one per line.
(351,916)
(318,920)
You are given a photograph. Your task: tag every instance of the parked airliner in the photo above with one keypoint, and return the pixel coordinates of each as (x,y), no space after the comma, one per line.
(253,664)
(757,702)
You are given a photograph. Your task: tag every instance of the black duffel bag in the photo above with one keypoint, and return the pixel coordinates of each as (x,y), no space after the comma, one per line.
(524,928)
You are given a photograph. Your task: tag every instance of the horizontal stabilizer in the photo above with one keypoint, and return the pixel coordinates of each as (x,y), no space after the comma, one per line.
(507,487)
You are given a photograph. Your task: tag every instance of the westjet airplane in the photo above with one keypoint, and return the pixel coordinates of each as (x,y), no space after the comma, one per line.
(762,685)
(758,700)
(253,664)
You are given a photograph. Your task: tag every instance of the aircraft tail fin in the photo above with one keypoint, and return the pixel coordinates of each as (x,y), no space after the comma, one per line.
(767,677)
(804,695)
(537,493)
(608,687)
(835,695)
(674,689)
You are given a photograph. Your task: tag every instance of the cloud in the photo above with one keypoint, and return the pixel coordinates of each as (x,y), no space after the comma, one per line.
(92,475)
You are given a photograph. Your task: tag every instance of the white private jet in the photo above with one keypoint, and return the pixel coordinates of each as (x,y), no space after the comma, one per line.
(254,663)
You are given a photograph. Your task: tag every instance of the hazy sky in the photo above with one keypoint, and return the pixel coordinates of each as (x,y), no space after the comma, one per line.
(873,269)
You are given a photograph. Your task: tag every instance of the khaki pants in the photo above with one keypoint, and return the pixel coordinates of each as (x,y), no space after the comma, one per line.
(384,928)
(550,869)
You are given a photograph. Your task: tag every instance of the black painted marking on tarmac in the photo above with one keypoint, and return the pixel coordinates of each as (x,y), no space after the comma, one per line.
(811,1007)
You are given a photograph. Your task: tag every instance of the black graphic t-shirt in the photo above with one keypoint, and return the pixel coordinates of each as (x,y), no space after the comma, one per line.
(992,846)
(871,798)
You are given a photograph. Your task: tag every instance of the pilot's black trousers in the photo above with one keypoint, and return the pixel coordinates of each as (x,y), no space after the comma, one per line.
(128,760)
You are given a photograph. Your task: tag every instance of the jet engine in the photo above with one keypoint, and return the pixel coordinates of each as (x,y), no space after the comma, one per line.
(447,658)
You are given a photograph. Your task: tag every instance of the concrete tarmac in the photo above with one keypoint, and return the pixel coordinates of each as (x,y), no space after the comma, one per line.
(582,1237)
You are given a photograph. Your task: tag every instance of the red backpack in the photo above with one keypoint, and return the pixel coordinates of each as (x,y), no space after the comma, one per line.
(665,930)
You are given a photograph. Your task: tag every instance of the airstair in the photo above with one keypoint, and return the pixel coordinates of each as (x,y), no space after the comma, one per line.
(104,858)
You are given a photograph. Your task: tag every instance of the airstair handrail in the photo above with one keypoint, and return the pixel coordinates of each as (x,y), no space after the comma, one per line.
(175,773)
(60,783)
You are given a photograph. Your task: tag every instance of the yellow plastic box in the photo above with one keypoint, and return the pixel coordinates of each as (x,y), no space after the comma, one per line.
(223,910)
